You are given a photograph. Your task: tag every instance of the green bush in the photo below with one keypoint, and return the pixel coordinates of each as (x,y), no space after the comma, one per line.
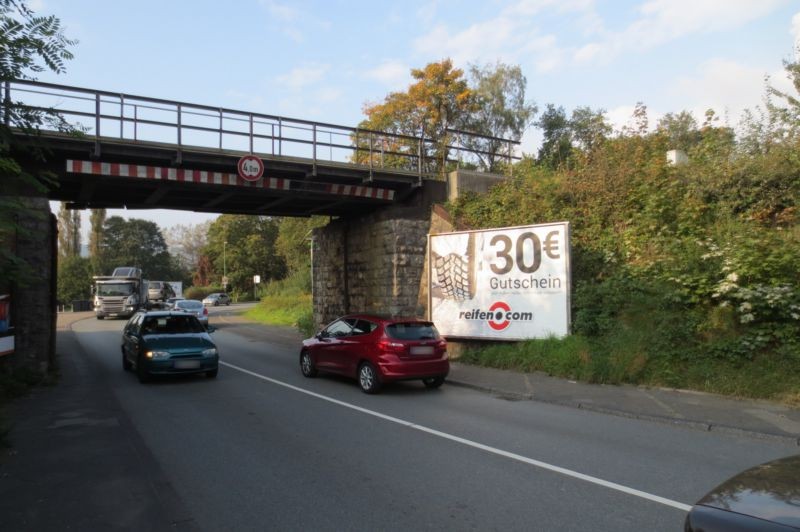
(287,302)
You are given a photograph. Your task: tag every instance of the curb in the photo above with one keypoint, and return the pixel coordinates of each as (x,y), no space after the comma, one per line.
(702,426)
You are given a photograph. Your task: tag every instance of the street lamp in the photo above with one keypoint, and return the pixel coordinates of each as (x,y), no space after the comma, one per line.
(224,268)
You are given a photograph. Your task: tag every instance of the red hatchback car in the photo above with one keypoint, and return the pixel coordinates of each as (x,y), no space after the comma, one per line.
(376,350)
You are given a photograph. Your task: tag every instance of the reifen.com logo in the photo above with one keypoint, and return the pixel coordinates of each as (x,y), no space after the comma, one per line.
(499,316)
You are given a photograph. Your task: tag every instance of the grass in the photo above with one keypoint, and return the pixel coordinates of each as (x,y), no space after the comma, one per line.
(286,302)
(627,358)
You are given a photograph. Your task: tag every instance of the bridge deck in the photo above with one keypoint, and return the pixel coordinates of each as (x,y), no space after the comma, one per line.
(145,153)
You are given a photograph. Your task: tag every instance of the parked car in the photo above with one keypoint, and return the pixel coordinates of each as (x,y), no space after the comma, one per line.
(376,350)
(170,303)
(193,306)
(218,298)
(166,343)
(764,498)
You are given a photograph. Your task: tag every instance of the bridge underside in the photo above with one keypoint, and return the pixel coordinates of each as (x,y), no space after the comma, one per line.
(144,175)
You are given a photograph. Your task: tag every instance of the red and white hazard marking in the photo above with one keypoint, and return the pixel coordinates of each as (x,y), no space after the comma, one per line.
(218,178)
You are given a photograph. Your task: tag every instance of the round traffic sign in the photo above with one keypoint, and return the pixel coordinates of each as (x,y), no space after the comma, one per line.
(251,168)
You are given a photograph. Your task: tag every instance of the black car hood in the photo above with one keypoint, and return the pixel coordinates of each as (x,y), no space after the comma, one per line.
(769,491)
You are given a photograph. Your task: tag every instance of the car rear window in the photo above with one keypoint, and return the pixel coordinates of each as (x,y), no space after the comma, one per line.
(412,331)
(191,305)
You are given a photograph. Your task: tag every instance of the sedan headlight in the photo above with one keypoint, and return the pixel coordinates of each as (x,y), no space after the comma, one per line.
(210,352)
(157,354)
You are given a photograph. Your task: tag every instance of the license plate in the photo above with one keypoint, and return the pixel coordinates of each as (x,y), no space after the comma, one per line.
(422,350)
(187,364)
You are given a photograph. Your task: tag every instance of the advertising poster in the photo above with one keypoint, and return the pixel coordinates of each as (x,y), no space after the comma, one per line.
(504,284)
(6,326)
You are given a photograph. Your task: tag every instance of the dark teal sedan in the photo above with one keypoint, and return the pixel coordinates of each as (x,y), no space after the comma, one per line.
(167,343)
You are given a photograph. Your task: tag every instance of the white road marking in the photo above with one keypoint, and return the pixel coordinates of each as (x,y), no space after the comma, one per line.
(476,445)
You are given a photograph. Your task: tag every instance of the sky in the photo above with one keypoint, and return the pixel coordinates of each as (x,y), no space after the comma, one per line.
(323,60)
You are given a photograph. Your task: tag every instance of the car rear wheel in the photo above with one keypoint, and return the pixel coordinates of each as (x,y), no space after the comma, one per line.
(368,378)
(307,365)
(433,382)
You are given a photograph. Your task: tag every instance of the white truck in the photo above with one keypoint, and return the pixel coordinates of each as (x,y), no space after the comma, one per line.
(120,294)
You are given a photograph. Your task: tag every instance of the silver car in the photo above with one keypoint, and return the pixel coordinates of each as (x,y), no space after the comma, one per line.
(218,298)
(193,306)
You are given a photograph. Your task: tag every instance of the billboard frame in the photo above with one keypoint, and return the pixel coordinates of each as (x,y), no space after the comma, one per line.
(567,270)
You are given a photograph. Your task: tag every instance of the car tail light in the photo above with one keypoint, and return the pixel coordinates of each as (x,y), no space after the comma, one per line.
(205,311)
(388,346)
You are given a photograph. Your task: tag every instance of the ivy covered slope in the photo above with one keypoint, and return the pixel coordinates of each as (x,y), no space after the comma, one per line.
(683,276)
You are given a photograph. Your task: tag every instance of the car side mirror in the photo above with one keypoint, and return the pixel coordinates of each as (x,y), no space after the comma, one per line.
(322,334)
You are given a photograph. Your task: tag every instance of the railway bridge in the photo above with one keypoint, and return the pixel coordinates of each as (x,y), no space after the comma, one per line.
(112,150)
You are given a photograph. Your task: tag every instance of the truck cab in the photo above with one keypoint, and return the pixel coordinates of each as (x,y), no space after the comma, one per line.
(119,295)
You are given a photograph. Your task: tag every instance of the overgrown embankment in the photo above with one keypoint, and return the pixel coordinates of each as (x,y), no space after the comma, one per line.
(683,276)
(287,302)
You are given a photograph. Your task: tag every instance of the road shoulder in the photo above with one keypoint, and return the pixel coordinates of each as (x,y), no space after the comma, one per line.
(77,462)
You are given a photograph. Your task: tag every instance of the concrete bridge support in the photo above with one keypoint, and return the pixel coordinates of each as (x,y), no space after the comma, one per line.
(33,302)
(374,263)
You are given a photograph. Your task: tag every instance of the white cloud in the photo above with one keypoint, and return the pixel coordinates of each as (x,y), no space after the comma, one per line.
(427,13)
(662,21)
(294,34)
(511,36)
(727,87)
(280,11)
(328,94)
(394,74)
(796,34)
(303,75)
(37,6)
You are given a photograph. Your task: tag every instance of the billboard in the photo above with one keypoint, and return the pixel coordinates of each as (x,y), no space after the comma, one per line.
(504,284)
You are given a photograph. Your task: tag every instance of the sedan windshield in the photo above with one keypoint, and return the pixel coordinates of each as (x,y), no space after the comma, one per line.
(114,289)
(172,325)
(189,305)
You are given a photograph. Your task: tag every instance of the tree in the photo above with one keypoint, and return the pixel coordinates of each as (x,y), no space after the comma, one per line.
(28,44)
(186,243)
(74,279)
(589,128)
(557,143)
(96,221)
(680,129)
(137,243)
(438,100)
(293,241)
(241,246)
(69,232)
(498,110)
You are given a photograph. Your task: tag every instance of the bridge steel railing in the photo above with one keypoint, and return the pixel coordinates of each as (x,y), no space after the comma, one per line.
(103,114)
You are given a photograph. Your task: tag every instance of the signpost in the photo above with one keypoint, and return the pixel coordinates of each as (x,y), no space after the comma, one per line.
(505,284)
(256,280)
(250,167)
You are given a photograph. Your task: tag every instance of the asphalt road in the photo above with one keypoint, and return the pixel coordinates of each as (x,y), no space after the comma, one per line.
(261,447)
